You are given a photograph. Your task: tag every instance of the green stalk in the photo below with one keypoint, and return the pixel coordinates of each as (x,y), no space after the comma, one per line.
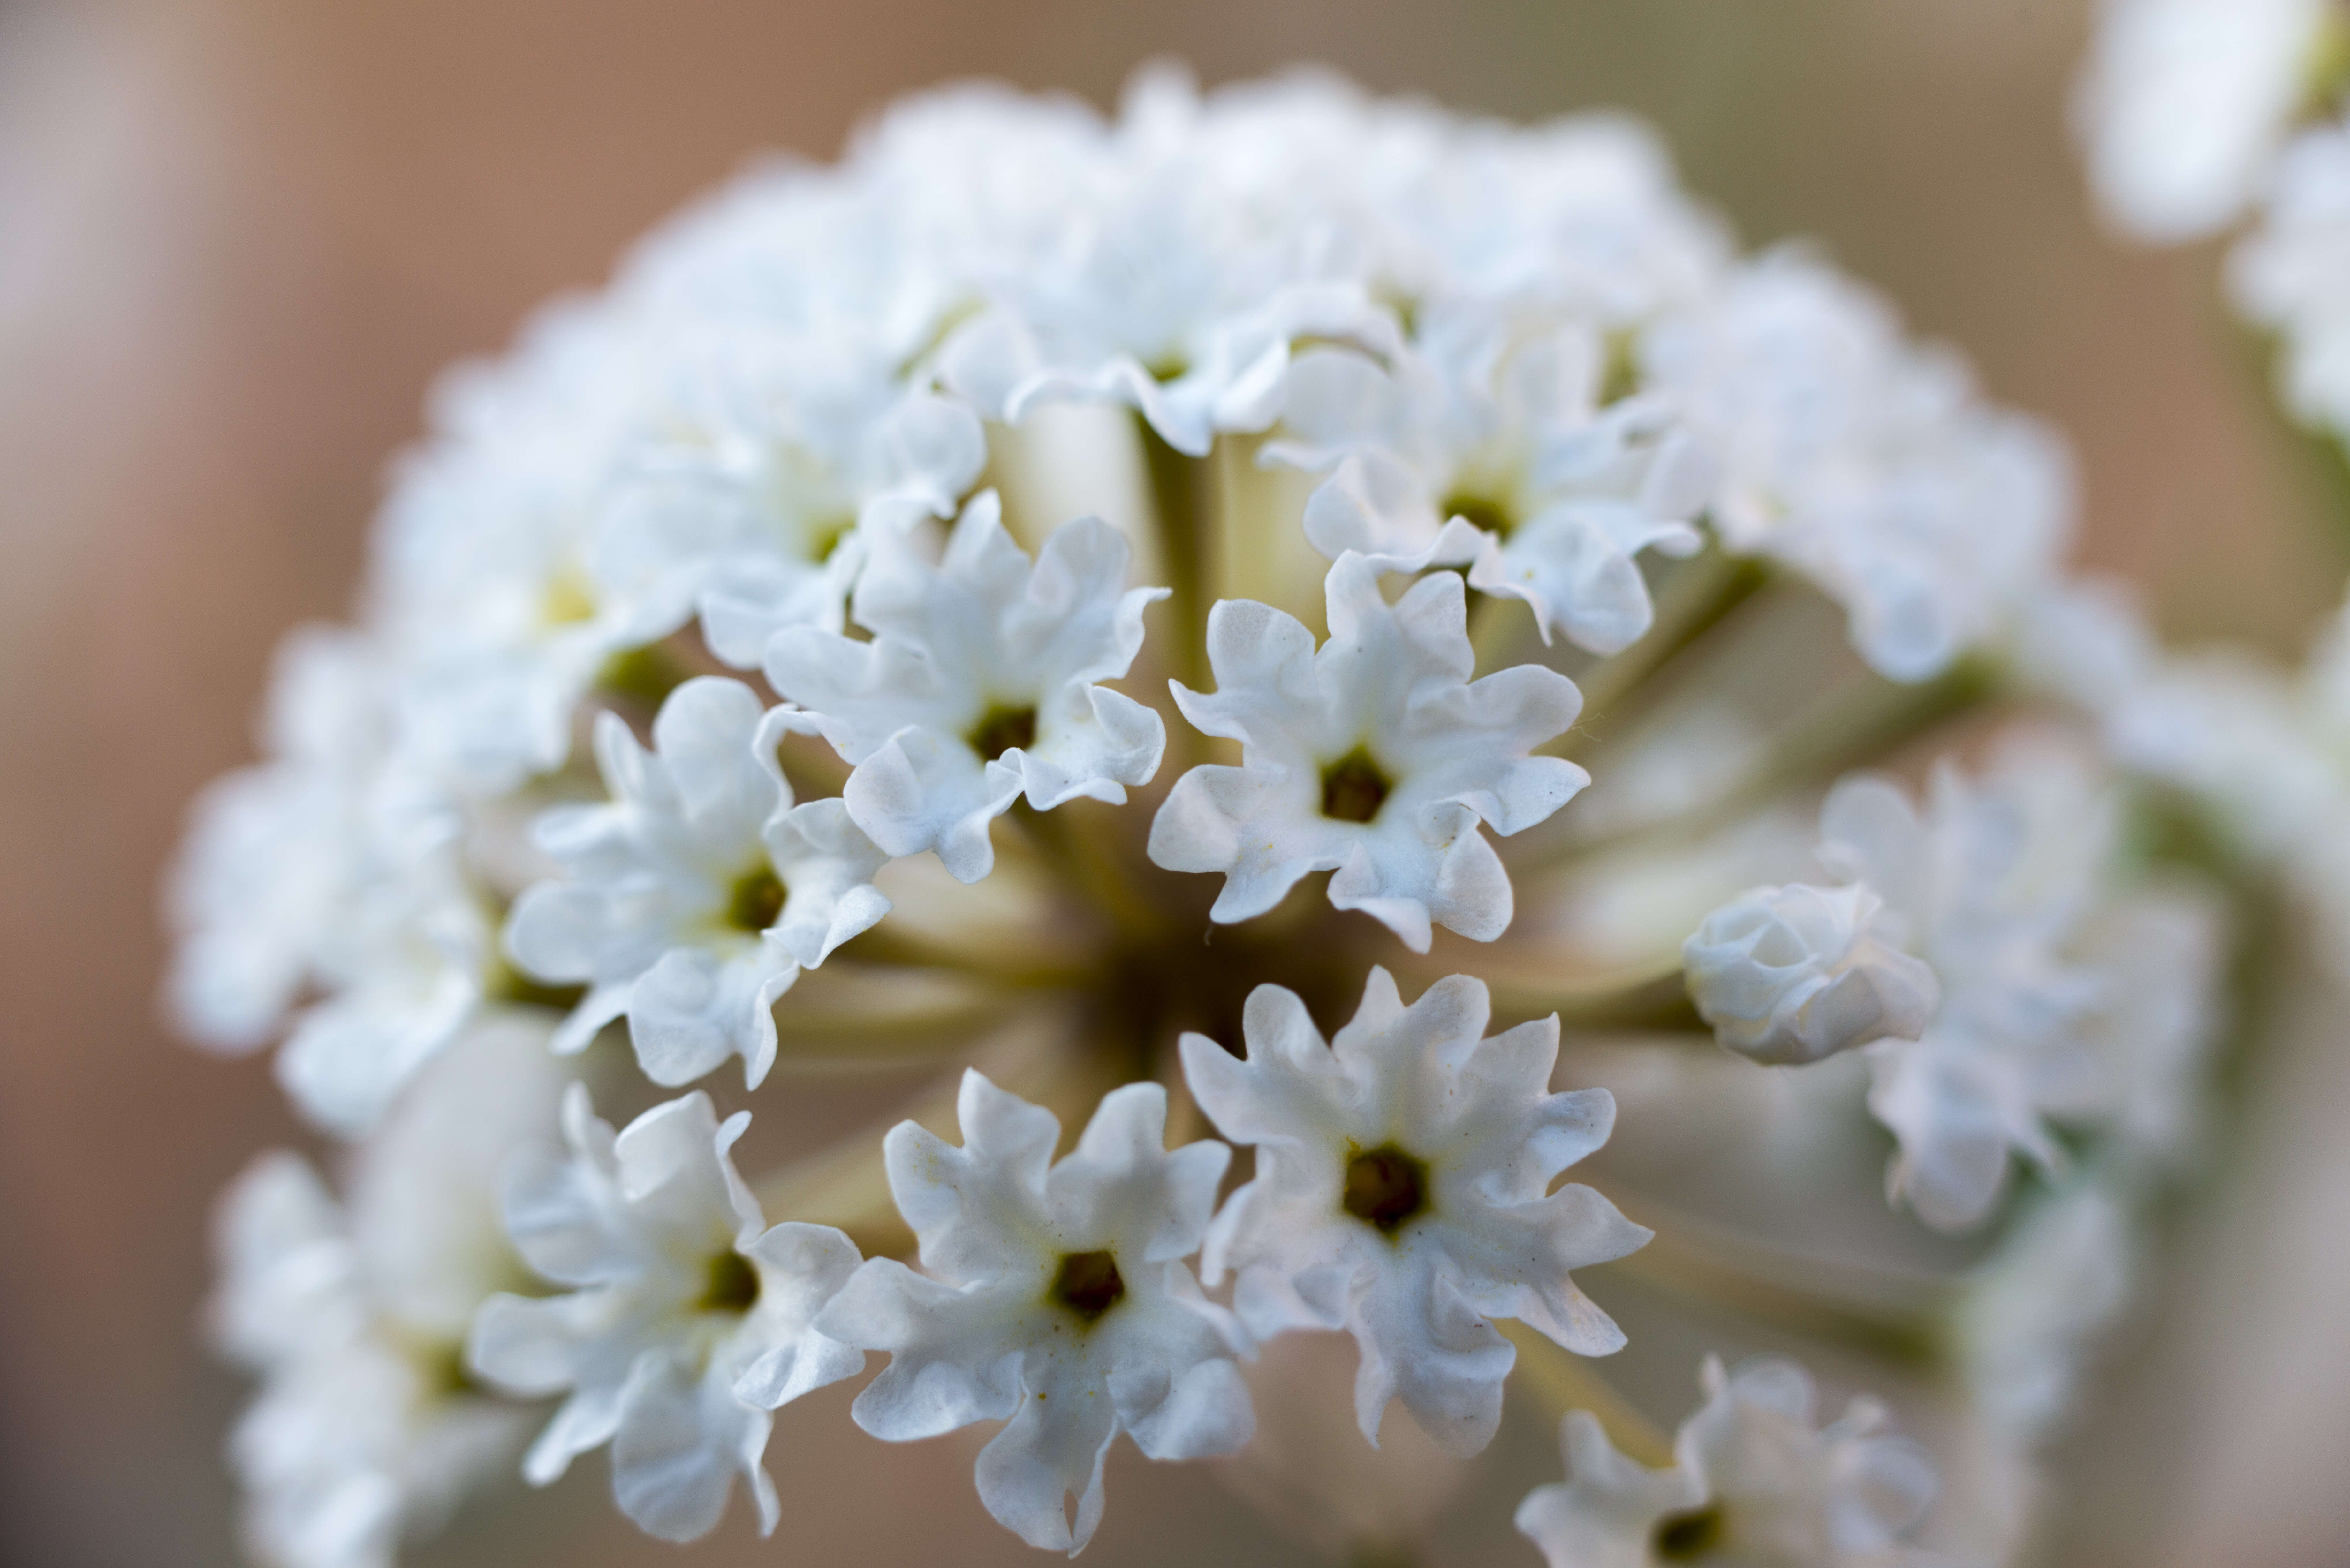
(1092,867)
(1181,494)
(1565,1381)
(1696,599)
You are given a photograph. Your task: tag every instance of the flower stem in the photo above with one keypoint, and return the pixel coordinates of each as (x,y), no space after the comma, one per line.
(1696,599)
(1891,1314)
(1861,718)
(1565,1381)
(1181,493)
(1092,867)
(1646,999)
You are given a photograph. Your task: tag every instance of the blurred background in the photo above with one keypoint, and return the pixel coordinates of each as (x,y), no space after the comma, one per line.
(237,237)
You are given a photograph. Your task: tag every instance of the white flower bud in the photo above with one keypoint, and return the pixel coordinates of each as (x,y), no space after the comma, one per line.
(1797,973)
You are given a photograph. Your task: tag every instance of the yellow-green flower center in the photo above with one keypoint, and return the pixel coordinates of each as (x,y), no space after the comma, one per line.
(1386,1188)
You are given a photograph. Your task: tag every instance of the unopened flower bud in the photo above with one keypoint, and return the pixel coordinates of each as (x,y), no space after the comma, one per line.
(1797,973)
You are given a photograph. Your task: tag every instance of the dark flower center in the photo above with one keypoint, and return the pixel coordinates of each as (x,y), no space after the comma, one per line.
(1353,787)
(1088,1284)
(826,536)
(1480,511)
(733,1286)
(1688,1535)
(446,1373)
(1619,375)
(757,901)
(1385,1188)
(1002,729)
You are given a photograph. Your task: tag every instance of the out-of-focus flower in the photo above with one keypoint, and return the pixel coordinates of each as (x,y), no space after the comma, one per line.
(2292,275)
(2040,1303)
(2184,103)
(367,1431)
(1755,1483)
(1865,462)
(1798,972)
(2025,965)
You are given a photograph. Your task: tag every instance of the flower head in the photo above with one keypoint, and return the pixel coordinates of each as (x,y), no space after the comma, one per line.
(1054,1299)
(687,1320)
(1402,1193)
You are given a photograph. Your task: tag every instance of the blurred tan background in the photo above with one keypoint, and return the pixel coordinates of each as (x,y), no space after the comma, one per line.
(236,238)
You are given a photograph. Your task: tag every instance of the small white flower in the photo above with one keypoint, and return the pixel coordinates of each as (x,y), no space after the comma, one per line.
(1863,461)
(1402,1193)
(980,684)
(2238,734)
(1754,1484)
(1798,972)
(1054,1300)
(406,961)
(2161,954)
(2182,104)
(1992,880)
(688,1321)
(268,860)
(366,1432)
(2293,274)
(1173,297)
(494,589)
(697,894)
(2036,1307)
(1493,451)
(1375,757)
(763,478)
(331,868)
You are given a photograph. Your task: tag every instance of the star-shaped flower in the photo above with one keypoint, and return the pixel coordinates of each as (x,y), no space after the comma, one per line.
(699,892)
(1754,1485)
(353,1310)
(1375,757)
(1505,451)
(1054,1299)
(1402,1193)
(980,685)
(764,475)
(690,1318)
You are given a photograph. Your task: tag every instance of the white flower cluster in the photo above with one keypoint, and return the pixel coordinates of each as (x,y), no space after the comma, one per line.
(755,663)
(1988,954)
(2198,113)
(1530,344)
